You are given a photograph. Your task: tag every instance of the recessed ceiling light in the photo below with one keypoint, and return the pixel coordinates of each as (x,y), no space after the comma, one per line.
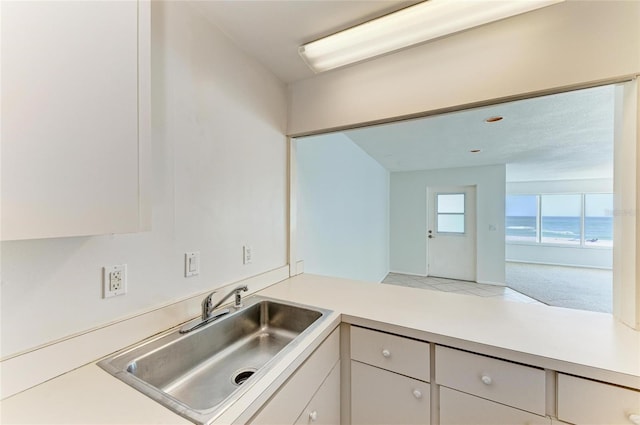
(494,119)
(475,150)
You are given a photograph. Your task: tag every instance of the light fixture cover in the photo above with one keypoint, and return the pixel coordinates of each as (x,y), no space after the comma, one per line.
(407,27)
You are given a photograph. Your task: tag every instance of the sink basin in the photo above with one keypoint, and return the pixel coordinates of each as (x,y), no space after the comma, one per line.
(199,374)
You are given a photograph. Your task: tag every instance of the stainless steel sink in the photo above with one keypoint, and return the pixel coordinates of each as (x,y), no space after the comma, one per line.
(199,374)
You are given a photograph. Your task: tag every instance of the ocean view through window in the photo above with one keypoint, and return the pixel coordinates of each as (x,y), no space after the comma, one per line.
(566,219)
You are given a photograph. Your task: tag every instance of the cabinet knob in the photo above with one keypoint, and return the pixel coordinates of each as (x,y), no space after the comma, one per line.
(386,353)
(486,379)
(634,419)
(417,394)
(313,416)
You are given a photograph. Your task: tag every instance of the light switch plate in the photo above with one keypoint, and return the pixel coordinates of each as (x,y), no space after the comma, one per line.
(191,264)
(114,280)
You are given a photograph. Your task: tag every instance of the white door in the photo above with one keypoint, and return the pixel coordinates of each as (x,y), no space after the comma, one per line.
(451,232)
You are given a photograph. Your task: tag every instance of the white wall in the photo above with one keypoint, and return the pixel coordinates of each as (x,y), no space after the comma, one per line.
(599,258)
(560,186)
(408,207)
(343,209)
(561,255)
(219,173)
(567,44)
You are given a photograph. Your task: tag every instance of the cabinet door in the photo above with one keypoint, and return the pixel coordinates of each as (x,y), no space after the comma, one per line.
(324,407)
(458,408)
(386,398)
(287,404)
(70,117)
(585,402)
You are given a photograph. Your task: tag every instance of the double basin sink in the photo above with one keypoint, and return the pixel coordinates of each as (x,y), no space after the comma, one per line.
(200,373)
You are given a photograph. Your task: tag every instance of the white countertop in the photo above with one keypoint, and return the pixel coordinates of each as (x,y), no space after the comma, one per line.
(579,342)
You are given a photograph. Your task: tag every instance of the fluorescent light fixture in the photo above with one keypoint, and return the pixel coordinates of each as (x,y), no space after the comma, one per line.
(415,24)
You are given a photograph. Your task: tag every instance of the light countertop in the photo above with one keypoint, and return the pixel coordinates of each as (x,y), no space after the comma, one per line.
(588,344)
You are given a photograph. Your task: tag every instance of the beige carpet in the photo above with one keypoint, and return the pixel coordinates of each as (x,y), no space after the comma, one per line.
(571,287)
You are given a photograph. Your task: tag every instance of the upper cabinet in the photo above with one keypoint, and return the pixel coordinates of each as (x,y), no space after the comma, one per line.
(75,118)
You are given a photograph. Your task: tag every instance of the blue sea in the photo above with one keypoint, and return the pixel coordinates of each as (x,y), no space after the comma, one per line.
(595,228)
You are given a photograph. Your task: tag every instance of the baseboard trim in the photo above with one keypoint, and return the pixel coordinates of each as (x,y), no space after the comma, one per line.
(408,273)
(578,266)
(29,368)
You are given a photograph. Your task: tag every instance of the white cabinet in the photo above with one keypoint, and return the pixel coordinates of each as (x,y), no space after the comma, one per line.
(385,398)
(389,379)
(508,383)
(582,402)
(324,407)
(296,396)
(457,408)
(75,118)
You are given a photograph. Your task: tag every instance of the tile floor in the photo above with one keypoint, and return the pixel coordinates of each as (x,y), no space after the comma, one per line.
(458,287)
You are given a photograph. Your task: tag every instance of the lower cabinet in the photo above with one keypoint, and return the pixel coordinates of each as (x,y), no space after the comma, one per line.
(324,407)
(382,397)
(585,402)
(315,386)
(457,408)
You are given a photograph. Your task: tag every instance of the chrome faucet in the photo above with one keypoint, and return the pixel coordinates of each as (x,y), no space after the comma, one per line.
(207,304)
(208,308)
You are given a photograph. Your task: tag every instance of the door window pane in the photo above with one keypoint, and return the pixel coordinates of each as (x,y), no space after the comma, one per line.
(522,218)
(561,219)
(451,223)
(598,219)
(450,209)
(451,203)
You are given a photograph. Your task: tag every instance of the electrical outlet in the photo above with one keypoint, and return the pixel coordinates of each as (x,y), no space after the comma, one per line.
(247,254)
(114,280)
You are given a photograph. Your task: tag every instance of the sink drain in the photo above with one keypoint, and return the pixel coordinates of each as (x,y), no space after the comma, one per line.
(242,376)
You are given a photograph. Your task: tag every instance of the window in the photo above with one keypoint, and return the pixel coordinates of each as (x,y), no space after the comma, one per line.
(598,219)
(450,209)
(566,219)
(522,218)
(561,219)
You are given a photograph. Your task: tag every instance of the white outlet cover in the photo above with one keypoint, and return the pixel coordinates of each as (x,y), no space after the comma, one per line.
(247,254)
(114,280)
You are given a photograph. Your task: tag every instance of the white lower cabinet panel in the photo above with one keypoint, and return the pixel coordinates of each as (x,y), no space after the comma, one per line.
(585,402)
(386,398)
(457,408)
(290,400)
(324,407)
(504,382)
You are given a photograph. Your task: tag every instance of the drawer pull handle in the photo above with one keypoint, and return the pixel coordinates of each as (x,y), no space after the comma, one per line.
(634,418)
(386,353)
(313,416)
(417,394)
(486,379)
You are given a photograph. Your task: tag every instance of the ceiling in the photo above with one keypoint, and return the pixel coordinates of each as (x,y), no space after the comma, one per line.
(557,137)
(272,30)
(565,136)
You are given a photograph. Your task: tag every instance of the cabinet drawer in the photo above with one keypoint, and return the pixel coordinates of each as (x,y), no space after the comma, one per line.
(395,353)
(285,406)
(324,407)
(458,408)
(581,401)
(498,380)
(380,397)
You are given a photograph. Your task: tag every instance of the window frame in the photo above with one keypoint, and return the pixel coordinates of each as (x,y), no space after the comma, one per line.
(463,213)
(538,241)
